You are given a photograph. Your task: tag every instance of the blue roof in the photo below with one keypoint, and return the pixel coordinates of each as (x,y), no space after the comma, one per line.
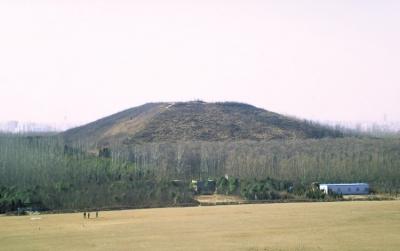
(345,184)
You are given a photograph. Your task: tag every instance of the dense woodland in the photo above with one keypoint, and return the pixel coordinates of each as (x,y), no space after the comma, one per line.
(44,172)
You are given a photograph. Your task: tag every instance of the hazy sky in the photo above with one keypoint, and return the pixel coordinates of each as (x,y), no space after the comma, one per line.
(77,61)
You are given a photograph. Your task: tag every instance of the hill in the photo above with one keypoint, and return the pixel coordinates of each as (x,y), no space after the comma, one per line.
(195,121)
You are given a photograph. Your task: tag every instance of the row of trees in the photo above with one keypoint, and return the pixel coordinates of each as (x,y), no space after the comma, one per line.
(376,161)
(271,189)
(43,170)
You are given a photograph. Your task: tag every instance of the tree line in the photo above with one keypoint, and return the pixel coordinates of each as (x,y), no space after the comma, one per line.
(372,160)
(45,172)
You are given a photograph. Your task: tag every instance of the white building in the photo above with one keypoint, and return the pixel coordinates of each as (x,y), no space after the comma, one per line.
(345,188)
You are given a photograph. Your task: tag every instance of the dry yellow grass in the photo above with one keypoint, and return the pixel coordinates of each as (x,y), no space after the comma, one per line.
(132,126)
(218,198)
(360,225)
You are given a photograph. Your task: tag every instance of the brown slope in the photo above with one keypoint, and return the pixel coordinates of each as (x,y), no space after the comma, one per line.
(193,121)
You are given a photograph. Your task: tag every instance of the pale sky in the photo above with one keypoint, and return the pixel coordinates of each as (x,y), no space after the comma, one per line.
(77,61)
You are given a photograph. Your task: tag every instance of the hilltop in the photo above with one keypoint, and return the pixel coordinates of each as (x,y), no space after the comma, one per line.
(195,121)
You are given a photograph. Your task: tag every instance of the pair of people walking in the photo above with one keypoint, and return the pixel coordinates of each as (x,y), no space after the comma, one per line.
(88,214)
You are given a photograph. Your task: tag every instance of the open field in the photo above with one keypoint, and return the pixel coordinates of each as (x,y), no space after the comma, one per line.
(359,225)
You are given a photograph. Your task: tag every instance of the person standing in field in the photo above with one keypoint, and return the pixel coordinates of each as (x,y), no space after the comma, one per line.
(84,215)
(97,214)
(88,215)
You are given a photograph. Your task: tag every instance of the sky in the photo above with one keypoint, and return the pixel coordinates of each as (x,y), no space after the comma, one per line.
(77,61)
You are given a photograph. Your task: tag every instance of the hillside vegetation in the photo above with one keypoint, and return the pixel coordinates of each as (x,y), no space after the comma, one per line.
(195,121)
(44,172)
(148,155)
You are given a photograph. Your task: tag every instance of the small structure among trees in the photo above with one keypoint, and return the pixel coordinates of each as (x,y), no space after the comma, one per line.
(345,188)
(204,186)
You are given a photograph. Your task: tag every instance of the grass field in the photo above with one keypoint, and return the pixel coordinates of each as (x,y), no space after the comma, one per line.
(359,225)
